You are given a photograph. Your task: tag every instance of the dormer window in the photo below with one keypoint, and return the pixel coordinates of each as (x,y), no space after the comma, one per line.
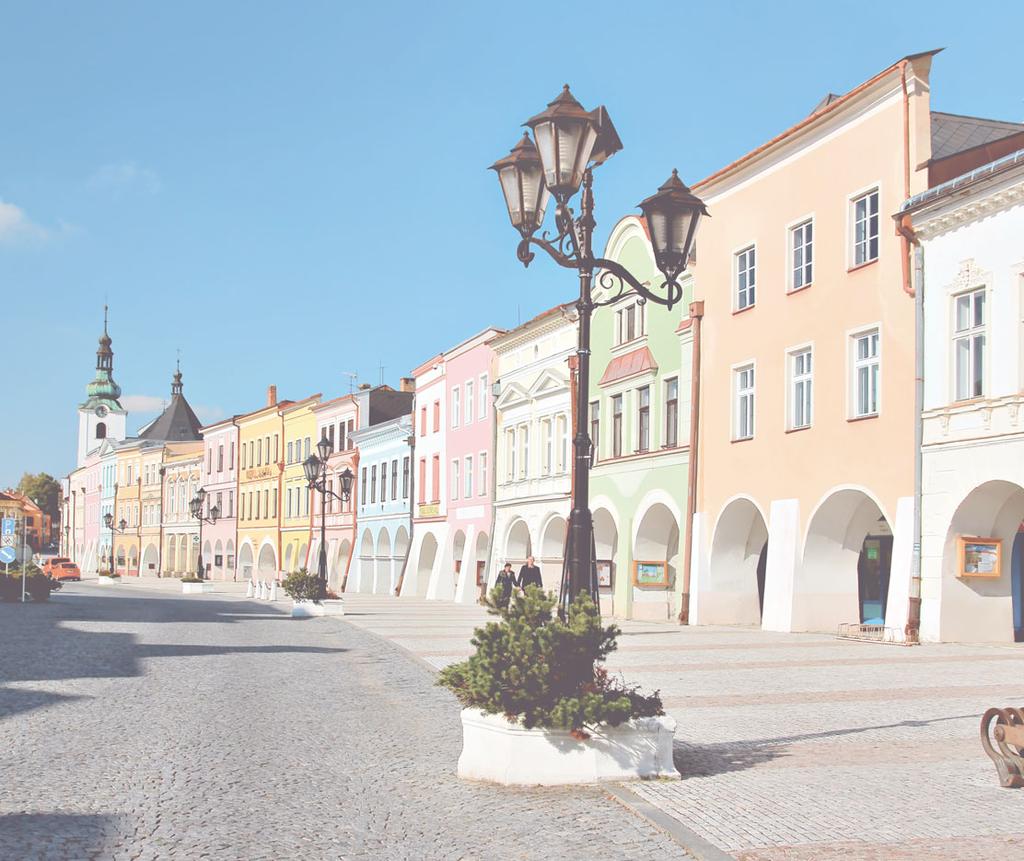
(629,323)
(101,430)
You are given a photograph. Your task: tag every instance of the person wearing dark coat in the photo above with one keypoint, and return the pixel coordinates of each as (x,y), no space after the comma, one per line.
(529,575)
(506,579)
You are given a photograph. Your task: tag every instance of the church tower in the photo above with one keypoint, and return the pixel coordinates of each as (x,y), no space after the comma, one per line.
(101,416)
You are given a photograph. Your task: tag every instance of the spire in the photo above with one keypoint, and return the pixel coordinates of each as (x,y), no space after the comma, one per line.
(103,389)
(104,355)
(176,382)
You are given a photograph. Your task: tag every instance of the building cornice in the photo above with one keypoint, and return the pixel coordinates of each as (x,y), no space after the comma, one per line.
(949,214)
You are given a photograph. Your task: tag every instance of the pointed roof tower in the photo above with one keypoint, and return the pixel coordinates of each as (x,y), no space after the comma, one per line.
(177,422)
(103,390)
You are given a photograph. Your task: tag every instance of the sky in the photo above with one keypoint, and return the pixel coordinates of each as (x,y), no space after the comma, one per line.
(292,193)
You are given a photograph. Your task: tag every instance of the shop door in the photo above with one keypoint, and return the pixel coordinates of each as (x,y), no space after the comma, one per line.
(873,578)
(1017,587)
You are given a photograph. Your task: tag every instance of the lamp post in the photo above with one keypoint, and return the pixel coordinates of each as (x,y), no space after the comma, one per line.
(196,507)
(568,143)
(108,521)
(315,469)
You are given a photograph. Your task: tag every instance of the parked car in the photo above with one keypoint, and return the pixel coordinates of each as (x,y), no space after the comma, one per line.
(50,565)
(65,571)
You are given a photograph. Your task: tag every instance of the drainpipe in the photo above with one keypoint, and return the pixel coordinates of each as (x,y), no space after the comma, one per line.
(412,499)
(904,227)
(696,314)
(138,527)
(905,240)
(160,547)
(353,502)
(493,477)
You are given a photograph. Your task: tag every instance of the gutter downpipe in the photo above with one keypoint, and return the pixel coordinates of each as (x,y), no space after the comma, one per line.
(696,314)
(905,228)
(412,498)
(905,240)
(493,477)
(354,503)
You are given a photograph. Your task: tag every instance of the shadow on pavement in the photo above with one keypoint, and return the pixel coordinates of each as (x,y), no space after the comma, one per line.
(55,836)
(17,700)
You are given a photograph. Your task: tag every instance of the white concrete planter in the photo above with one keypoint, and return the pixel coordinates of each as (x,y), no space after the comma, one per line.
(196,588)
(108,581)
(308,610)
(495,750)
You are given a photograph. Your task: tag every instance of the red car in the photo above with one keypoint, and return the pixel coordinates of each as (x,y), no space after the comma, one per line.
(65,571)
(54,562)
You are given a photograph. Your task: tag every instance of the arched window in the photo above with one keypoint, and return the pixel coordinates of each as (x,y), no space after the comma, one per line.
(101,430)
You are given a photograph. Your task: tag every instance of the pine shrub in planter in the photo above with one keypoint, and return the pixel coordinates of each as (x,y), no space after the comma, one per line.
(535,670)
(301,585)
(191,578)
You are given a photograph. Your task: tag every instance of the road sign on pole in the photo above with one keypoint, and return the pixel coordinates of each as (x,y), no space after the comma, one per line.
(8,555)
(7,532)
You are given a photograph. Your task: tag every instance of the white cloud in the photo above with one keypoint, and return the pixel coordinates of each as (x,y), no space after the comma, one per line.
(16,226)
(143,403)
(117,178)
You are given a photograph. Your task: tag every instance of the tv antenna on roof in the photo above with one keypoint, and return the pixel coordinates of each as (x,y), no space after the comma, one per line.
(352,377)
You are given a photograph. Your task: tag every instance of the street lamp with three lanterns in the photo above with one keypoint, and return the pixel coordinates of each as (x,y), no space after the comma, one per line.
(195,506)
(568,142)
(315,469)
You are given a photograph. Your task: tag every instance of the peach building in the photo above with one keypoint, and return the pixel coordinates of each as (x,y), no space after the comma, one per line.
(805,495)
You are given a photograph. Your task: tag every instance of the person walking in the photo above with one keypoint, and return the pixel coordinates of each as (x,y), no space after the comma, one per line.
(507,581)
(529,575)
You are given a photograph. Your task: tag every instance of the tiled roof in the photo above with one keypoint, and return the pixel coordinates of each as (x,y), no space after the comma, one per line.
(953,133)
(174,424)
(628,365)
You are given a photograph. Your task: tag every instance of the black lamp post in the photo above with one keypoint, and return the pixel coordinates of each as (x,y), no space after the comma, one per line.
(570,142)
(195,505)
(108,521)
(315,469)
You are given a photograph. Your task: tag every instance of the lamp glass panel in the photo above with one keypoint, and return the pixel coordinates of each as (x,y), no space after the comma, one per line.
(544,136)
(509,177)
(535,195)
(586,147)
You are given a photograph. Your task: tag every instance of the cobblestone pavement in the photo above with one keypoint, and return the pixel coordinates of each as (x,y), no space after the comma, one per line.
(801,746)
(141,724)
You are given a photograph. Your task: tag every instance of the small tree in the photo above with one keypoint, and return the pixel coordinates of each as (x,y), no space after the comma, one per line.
(536,670)
(301,585)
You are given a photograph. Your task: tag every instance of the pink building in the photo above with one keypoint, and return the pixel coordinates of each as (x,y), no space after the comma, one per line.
(337,419)
(219,478)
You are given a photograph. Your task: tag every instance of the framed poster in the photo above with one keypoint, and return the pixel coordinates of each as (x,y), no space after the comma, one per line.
(650,574)
(604,573)
(980,557)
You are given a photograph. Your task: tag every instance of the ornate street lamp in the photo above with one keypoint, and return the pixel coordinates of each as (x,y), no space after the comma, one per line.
(315,469)
(570,142)
(195,506)
(108,521)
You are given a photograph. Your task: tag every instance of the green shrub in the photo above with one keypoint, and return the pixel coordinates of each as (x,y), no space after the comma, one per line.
(302,585)
(10,588)
(39,586)
(190,578)
(541,672)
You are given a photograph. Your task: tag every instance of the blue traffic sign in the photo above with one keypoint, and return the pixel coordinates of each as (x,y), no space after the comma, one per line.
(8,555)
(8,526)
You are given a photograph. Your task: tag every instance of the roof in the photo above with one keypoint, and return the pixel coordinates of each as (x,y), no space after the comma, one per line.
(967,180)
(627,365)
(953,133)
(177,423)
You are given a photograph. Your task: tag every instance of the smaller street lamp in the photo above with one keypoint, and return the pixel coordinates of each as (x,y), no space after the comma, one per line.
(195,506)
(315,469)
(108,521)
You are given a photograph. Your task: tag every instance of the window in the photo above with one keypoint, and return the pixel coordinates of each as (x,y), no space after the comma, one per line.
(629,323)
(342,444)
(288,503)
(423,481)
(220,458)
(351,427)
(672,413)
(483,473)
(384,482)
(266,503)
(209,461)
(595,430)
(969,344)
(744,409)
(231,457)
(456,406)
(510,454)
(259,452)
(800,394)
(405,478)
(617,426)
(275,502)
(746,278)
(362,486)
(562,428)
(231,503)
(643,400)
(802,244)
(865,228)
(257,505)
(277,448)
(455,480)
(437,416)
(290,452)
(373,483)
(423,421)
(547,445)
(866,366)
(523,438)
(469,401)
(306,455)
(483,395)
(435,475)
(330,435)
(467,491)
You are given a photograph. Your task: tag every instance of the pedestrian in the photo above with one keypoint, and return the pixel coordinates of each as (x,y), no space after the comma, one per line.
(529,575)
(506,582)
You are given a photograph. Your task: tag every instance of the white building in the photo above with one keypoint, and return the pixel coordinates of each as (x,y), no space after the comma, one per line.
(971,243)
(534,429)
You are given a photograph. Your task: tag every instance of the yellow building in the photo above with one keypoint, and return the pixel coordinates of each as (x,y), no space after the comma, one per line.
(127,491)
(300,424)
(260,466)
(151,508)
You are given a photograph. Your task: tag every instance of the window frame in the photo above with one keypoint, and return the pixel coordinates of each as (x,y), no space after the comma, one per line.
(751,288)
(853,366)
(970,336)
(851,220)
(804,379)
(791,247)
(737,394)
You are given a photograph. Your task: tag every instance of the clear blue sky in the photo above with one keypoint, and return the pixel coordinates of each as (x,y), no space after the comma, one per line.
(290,191)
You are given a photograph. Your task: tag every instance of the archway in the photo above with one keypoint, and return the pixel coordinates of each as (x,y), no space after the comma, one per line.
(169,559)
(184,555)
(483,546)
(978,608)
(288,551)
(552,550)
(218,560)
(207,558)
(606,544)
(133,560)
(656,541)
(341,566)
(458,551)
(517,543)
(735,589)
(267,565)
(845,572)
(229,560)
(150,559)
(245,561)
(301,558)
(425,563)
(120,560)
(364,583)
(382,568)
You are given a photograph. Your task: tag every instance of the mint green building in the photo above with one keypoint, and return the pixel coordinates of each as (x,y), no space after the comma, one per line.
(639,420)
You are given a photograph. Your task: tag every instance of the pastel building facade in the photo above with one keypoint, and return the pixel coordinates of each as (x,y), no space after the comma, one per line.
(384,522)
(338,419)
(220,480)
(300,424)
(804,514)
(182,471)
(151,503)
(970,279)
(638,421)
(533,478)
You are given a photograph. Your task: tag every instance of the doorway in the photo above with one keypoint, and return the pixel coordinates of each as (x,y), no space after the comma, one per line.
(873,578)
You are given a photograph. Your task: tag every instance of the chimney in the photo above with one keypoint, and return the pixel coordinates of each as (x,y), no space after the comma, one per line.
(271,396)
(407,384)
(365,387)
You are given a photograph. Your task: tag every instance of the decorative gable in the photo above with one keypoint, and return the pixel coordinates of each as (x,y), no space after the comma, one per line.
(511,395)
(549,382)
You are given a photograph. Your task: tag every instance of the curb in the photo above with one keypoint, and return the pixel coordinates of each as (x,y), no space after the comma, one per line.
(693,843)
